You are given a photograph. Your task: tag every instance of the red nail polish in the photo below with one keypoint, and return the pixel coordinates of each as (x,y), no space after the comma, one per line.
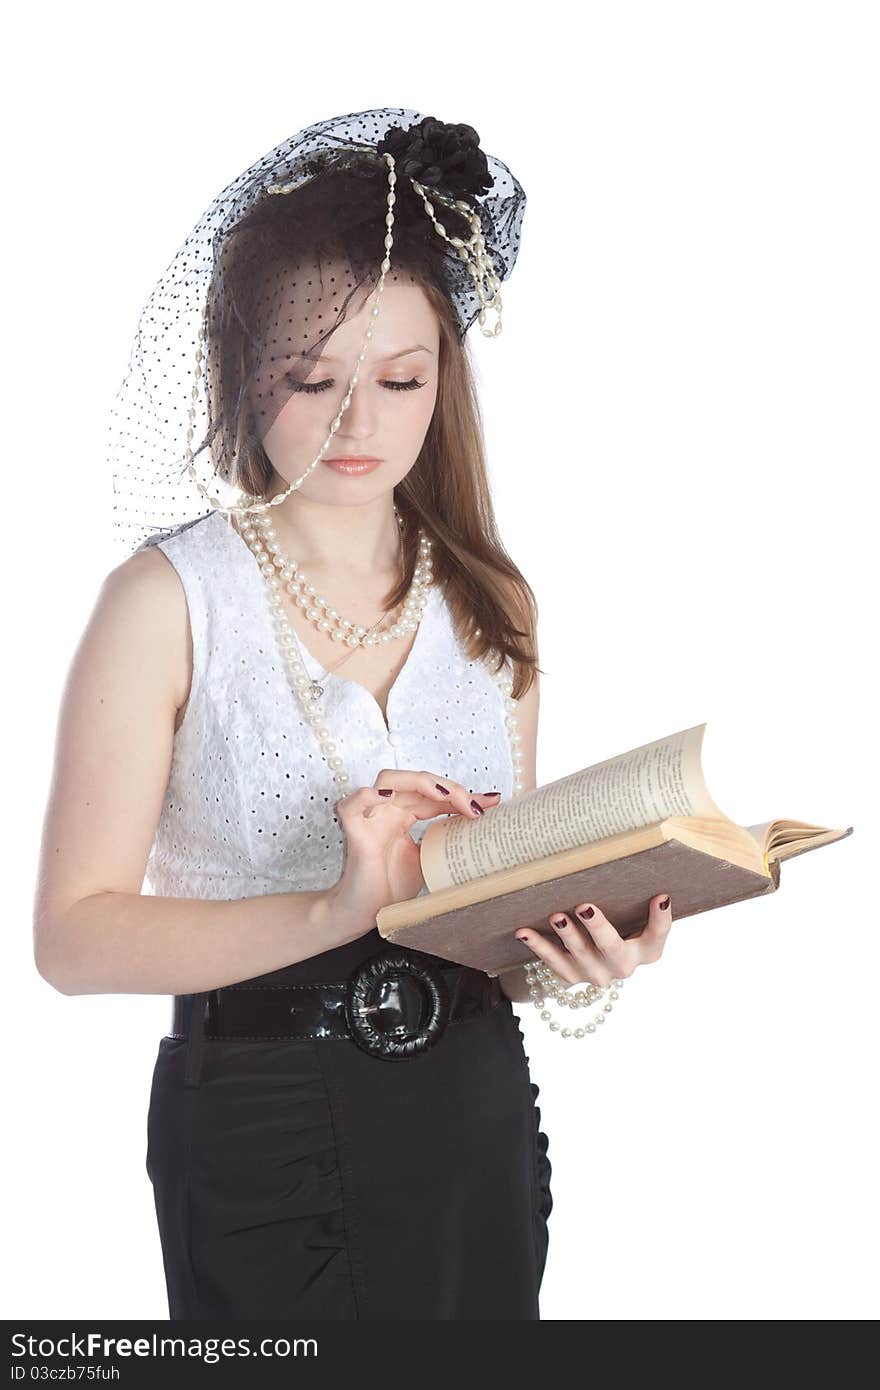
(476,808)
(587,912)
(444,790)
(664,904)
(385,791)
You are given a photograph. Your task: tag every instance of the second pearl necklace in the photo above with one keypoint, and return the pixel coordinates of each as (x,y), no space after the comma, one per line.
(277,570)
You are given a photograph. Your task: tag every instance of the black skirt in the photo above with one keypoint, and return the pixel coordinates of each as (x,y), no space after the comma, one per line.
(306,1178)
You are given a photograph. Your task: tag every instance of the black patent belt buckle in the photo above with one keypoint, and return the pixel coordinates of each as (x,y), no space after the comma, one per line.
(396,1006)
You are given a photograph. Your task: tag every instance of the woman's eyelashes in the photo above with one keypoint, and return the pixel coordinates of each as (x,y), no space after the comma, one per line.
(310,387)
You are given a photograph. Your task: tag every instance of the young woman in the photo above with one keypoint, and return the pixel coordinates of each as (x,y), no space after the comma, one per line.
(336,1129)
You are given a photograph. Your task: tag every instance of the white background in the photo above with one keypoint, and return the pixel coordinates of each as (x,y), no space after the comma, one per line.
(681,415)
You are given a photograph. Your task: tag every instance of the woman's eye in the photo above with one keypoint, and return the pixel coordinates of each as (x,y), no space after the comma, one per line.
(311,387)
(412,385)
(296,385)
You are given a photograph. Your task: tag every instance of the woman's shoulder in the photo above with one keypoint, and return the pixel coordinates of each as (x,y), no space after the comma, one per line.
(143,600)
(150,570)
(158,571)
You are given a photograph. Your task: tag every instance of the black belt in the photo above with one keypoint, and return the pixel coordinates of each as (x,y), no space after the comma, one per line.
(395,1005)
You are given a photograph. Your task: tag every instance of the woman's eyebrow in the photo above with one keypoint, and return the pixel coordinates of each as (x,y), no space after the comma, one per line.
(392,356)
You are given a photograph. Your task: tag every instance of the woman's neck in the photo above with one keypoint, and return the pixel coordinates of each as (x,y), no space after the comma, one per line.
(337,551)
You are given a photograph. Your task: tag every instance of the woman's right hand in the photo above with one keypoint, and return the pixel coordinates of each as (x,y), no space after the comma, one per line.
(382,860)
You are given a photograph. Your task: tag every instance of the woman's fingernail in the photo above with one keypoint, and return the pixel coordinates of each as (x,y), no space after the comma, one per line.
(559,923)
(522,937)
(586,912)
(491,793)
(444,790)
(476,808)
(664,904)
(385,791)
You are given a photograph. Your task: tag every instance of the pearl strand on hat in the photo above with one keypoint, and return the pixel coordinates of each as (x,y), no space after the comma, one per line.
(479,263)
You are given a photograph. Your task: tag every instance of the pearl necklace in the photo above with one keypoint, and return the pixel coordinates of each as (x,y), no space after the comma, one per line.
(277,570)
(543,981)
(269,554)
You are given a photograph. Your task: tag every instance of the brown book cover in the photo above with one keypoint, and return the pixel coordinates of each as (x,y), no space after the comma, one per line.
(547,852)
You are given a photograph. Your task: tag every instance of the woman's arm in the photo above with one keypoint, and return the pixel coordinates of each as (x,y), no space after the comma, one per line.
(94,930)
(513,982)
(126,943)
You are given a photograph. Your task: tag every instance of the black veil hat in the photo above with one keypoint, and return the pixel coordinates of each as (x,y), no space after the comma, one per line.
(266,275)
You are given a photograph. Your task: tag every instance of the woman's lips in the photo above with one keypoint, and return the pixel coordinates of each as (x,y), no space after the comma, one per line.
(353,467)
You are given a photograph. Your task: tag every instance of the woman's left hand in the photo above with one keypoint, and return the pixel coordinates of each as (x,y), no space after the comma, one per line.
(592,950)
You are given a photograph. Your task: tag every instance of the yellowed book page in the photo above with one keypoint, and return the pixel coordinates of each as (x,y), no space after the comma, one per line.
(781,838)
(633,789)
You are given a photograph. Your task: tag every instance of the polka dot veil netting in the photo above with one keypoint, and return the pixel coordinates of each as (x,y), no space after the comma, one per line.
(289,249)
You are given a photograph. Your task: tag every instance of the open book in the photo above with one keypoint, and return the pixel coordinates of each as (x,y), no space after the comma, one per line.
(613,834)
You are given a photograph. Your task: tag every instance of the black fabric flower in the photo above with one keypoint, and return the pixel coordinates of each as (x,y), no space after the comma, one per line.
(439,155)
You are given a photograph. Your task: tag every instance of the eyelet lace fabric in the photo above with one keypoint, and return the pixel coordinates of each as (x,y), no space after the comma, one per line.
(250,803)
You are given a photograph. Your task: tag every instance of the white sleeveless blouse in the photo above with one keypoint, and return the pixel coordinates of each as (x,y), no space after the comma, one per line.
(249,806)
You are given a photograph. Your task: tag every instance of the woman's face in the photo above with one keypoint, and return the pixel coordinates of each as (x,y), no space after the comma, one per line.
(391,405)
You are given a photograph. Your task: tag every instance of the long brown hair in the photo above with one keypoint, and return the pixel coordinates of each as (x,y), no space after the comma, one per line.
(446,492)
